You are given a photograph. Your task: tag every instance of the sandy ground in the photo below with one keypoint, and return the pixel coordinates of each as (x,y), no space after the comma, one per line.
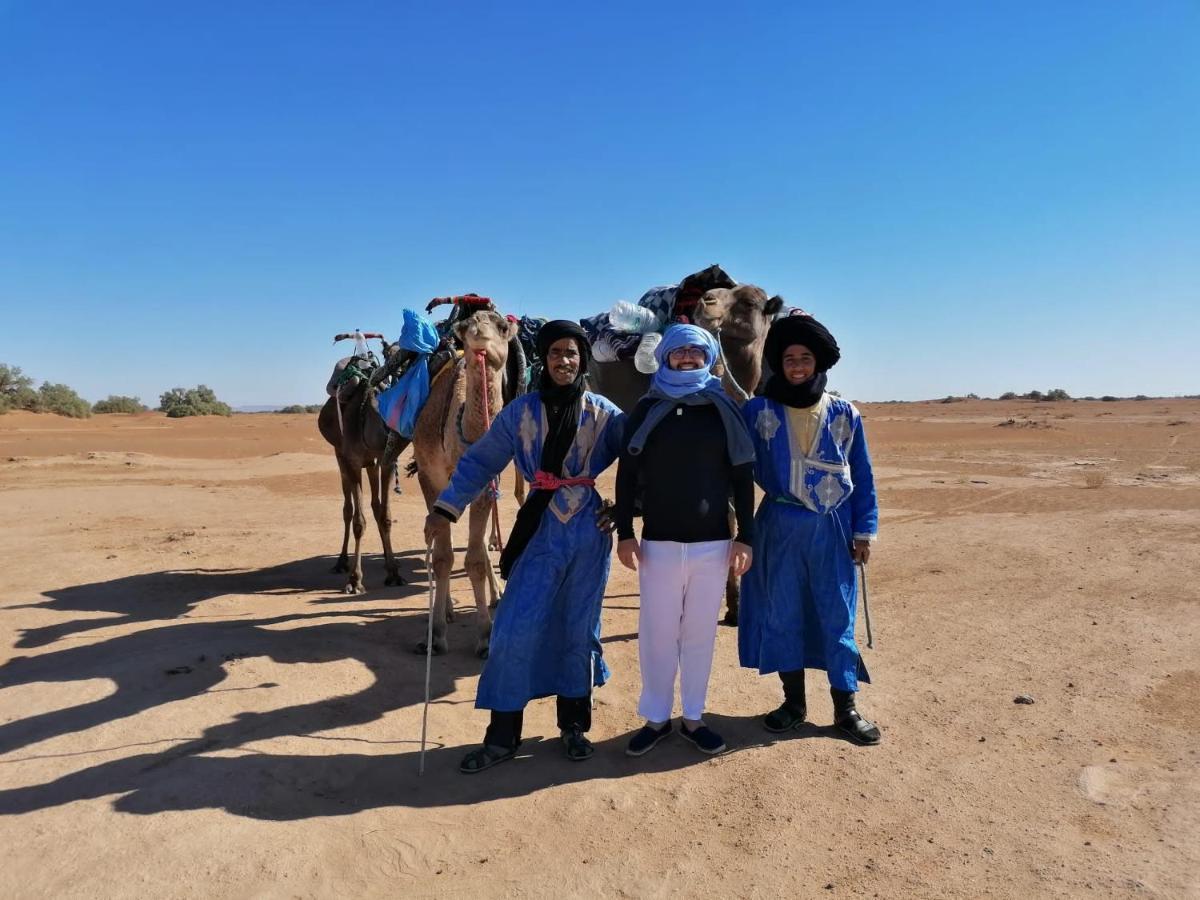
(190,708)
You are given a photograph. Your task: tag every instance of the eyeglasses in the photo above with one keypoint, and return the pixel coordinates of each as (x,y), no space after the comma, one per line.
(680,352)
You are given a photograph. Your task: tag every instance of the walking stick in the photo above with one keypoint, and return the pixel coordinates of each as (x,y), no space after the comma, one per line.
(862,576)
(428,654)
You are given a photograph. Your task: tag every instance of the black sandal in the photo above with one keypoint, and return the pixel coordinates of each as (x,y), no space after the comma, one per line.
(484,758)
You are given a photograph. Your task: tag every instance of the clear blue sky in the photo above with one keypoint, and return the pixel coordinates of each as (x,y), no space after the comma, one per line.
(972,198)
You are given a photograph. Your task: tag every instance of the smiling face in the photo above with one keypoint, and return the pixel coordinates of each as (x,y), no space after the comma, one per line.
(686,359)
(799,364)
(562,361)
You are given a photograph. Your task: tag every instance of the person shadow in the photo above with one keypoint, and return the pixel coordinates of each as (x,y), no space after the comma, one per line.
(290,787)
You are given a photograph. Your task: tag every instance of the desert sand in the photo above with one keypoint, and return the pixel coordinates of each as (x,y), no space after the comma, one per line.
(190,707)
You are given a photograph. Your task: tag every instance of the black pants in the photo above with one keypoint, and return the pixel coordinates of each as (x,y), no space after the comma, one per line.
(504,730)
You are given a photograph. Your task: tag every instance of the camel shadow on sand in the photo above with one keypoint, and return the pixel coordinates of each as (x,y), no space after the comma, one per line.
(176,593)
(164,663)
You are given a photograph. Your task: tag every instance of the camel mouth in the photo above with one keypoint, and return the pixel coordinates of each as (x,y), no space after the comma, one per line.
(725,326)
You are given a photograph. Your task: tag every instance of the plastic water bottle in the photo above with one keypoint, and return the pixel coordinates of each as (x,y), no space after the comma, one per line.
(603,351)
(644,360)
(632,319)
(360,345)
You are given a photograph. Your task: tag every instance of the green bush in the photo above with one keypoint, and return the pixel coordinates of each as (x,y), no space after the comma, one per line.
(16,390)
(1056,394)
(1009,395)
(60,399)
(300,408)
(115,403)
(198,401)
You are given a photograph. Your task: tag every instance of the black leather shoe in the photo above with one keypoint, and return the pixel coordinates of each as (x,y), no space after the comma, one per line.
(787,717)
(577,746)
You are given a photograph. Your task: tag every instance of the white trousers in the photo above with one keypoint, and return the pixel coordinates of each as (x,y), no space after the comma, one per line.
(682,586)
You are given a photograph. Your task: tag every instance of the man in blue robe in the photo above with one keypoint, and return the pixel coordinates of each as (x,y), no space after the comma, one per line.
(817,520)
(546,637)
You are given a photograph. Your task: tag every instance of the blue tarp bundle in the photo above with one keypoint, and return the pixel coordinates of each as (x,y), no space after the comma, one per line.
(401,403)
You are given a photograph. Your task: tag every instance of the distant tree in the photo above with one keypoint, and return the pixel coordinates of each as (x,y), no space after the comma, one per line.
(60,399)
(178,403)
(1109,398)
(1056,394)
(115,403)
(297,408)
(972,396)
(1034,395)
(1141,397)
(1009,395)
(16,389)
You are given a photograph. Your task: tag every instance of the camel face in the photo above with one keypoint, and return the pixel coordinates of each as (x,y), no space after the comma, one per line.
(742,313)
(489,332)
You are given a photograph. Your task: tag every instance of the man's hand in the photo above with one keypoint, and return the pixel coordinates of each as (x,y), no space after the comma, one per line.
(740,558)
(629,552)
(436,526)
(604,517)
(861,551)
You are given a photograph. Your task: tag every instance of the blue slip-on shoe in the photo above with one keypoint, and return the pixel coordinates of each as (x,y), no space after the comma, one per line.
(646,739)
(705,739)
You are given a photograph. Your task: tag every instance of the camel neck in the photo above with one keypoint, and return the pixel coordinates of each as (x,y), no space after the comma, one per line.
(475,417)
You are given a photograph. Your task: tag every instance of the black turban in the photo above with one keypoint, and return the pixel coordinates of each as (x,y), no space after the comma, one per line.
(800,329)
(558,329)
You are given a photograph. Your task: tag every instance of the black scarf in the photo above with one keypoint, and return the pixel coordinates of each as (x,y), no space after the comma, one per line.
(799,396)
(564,405)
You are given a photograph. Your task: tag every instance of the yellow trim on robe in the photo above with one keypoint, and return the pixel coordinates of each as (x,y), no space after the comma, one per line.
(803,424)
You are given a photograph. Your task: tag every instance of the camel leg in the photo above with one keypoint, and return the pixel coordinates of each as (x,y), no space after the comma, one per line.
(518,487)
(355,584)
(494,592)
(377,477)
(343,560)
(732,599)
(479,567)
(733,590)
(443,561)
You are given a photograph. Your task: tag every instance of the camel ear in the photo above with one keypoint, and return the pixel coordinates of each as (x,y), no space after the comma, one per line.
(774,305)
(460,328)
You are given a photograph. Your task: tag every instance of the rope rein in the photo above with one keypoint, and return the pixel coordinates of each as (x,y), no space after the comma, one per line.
(493,485)
(728,371)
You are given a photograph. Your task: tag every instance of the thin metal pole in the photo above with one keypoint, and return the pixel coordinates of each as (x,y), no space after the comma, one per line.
(428,654)
(862,576)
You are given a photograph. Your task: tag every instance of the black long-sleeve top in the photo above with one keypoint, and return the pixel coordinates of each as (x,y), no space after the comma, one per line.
(685,479)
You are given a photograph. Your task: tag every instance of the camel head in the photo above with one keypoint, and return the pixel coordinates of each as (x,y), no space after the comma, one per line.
(743,316)
(487,331)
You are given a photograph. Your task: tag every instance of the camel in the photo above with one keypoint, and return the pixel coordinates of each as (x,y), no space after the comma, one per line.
(739,317)
(452,419)
(361,442)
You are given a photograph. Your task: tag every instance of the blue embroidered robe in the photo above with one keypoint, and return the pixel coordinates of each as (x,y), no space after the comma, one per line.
(799,599)
(546,637)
